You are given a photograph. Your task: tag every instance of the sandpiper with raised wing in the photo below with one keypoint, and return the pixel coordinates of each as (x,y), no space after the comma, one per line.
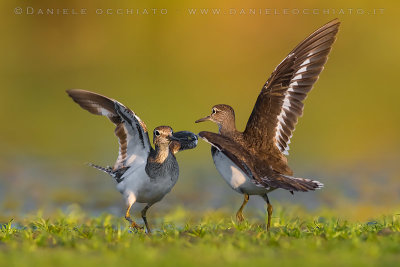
(143,174)
(253,162)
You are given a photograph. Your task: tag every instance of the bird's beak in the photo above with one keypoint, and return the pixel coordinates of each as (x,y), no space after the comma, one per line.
(208,118)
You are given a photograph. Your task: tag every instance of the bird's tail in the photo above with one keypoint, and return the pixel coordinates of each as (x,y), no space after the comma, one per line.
(107,170)
(116,174)
(294,184)
(307,184)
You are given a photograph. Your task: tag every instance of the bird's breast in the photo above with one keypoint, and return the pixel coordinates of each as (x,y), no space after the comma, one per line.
(169,168)
(146,188)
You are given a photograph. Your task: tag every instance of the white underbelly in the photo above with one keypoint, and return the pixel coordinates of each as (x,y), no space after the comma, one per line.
(138,185)
(235,177)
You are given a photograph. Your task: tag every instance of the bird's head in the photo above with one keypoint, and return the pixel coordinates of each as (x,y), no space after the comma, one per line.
(163,135)
(220,114)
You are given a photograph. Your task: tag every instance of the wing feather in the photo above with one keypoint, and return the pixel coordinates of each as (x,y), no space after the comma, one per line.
(131,131)
(280,102)
(259,172)
(232,150)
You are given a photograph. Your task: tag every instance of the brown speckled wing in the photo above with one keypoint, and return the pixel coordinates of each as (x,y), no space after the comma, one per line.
(256,169)
(233,151)
(131,131)
(280,102)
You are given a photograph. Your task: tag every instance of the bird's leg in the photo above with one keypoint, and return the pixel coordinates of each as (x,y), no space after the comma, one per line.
(129,219)
(144,211)
(239,214)
(269,210)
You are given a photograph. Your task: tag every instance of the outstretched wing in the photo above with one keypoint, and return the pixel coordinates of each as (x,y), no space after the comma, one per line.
(131,131)
(280,102)
(259,172)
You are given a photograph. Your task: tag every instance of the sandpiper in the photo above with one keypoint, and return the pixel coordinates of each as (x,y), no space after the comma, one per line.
(253,162)
(142,174)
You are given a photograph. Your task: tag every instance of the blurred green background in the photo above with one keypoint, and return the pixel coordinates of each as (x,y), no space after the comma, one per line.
(171,69)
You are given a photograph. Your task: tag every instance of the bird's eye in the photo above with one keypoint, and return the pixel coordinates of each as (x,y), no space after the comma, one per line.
(213,111)
(157,133)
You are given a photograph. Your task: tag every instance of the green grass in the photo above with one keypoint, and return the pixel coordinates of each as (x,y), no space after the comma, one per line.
(76,239)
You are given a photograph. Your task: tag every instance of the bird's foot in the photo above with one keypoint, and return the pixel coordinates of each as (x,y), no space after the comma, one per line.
(239,217)
(136,226)
(239,214)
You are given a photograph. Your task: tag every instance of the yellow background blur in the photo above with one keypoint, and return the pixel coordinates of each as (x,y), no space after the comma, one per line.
(171,69)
